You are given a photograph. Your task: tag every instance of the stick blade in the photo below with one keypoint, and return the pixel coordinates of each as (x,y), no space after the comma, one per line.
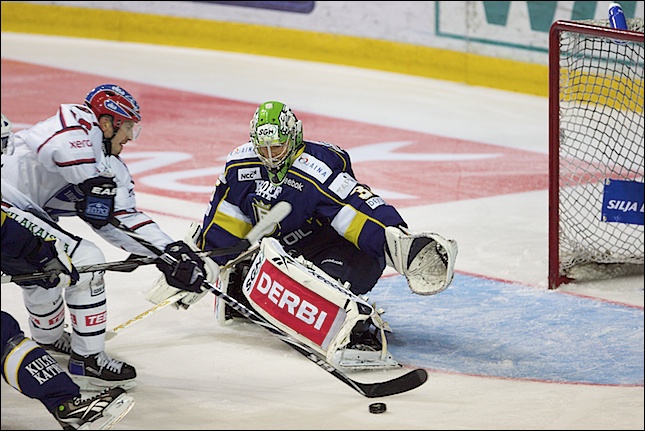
(404,383)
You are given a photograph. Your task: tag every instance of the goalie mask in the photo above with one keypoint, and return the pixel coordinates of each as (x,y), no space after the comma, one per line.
(276,135)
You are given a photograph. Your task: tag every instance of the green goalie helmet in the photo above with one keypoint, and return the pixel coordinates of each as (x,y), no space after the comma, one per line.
(276,135)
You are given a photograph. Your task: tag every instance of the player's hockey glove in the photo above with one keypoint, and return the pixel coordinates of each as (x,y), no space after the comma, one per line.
(97,207)
(182,267)
(50,257)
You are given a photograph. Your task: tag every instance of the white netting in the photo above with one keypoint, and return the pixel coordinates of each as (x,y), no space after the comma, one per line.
(601,139)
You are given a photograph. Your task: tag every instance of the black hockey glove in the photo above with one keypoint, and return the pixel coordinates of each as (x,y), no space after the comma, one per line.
(97,207)
(50,257)
(182,267)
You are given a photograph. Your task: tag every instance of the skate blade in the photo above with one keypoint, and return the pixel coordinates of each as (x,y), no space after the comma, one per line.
(112,414)
(357,360)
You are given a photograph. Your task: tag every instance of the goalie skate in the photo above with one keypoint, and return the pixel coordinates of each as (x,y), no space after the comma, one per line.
(357,360)
(367,349)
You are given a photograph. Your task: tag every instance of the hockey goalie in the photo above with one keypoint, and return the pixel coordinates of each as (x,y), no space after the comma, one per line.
(313,269)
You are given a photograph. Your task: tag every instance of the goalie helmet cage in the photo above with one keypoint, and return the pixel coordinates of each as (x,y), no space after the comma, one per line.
(595,137)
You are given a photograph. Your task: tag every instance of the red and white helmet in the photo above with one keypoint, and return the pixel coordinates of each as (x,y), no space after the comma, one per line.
(110,99)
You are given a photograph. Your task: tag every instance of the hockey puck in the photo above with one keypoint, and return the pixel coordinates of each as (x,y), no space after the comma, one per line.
(377,408)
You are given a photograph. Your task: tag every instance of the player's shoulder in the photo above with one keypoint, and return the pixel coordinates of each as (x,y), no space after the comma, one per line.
(324,147)
(74,117)
(74,113)
(242,153)
(322,160)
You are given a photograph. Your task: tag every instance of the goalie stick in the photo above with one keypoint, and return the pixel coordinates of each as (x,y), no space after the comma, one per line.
(262,228)
(250,243)
(403,383)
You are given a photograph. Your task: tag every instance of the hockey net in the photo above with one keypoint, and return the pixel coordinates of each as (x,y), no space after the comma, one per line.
(595,150)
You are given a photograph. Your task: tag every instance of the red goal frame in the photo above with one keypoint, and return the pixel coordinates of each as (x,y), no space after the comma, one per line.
(555,279)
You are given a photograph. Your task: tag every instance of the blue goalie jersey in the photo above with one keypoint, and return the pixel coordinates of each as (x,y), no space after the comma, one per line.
(321,188)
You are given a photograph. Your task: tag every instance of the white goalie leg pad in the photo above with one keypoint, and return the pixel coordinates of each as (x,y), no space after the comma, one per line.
(303,301)
(161,290)
(426,259)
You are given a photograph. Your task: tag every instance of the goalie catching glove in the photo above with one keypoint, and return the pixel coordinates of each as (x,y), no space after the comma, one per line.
(427,260)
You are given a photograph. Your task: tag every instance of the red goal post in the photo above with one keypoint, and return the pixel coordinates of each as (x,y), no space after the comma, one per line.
(596,143)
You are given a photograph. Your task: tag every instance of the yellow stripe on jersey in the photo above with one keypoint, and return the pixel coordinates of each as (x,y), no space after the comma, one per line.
(349,223)
(14,359)
(231,218)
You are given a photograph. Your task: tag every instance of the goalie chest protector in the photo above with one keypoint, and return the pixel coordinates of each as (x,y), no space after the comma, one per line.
(299,298)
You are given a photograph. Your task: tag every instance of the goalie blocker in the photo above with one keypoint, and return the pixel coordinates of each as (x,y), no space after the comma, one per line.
(303,301)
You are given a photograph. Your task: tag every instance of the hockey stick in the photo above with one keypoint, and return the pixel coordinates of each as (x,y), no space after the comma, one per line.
(127,265)
(168,301)
(404,383)
(249,242)
(139,317)
(263,227)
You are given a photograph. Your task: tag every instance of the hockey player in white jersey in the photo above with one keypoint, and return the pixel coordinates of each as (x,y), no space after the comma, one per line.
(69,165)
(331,249)
(26,366)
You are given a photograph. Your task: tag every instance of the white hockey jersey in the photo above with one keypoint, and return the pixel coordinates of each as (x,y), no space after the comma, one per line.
(55,155)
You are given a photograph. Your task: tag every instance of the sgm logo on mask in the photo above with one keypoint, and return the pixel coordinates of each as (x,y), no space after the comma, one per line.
(248,174)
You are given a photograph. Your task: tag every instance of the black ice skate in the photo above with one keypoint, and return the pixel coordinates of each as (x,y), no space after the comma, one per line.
(100,371)
(62,346)
(99,412)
